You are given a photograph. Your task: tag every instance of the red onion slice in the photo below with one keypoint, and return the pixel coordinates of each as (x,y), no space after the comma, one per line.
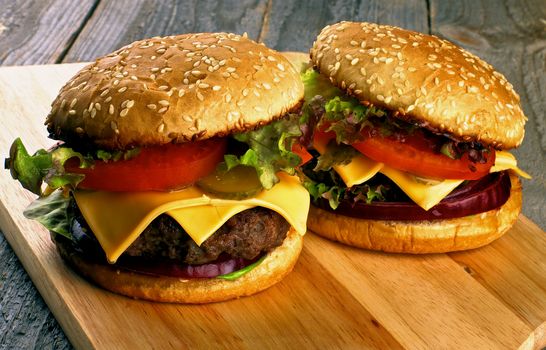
(223,265)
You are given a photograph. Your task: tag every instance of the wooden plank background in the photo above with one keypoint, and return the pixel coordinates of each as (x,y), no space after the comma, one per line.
(509,34)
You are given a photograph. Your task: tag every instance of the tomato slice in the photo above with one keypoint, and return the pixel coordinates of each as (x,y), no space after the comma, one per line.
(417,153)
(302,152)
(158,168)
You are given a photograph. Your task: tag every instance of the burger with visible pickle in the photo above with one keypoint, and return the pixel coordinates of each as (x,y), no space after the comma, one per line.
(174,176)
(409,143)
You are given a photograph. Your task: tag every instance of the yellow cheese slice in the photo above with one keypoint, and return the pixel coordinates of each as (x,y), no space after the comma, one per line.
(424,192)
(358,171)
(117,218)
(504,161)
(425,195)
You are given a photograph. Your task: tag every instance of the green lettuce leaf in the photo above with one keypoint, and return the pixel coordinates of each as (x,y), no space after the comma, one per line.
(236,274)
(317,84)
(347,117)
(43,166)
(335,155)
(114,156)
(332,193)
(52,212)
(269,150)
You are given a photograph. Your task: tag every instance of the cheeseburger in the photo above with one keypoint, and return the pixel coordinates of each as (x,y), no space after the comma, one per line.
(174,176)
(410,139)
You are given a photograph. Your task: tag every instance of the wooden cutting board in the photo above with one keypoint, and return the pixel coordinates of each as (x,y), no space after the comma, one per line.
(336,297)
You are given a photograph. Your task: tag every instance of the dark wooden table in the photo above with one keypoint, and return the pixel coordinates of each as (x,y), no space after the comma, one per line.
(510,34)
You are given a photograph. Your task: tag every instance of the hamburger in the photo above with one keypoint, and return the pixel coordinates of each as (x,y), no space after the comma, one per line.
(409,143)
(173,178)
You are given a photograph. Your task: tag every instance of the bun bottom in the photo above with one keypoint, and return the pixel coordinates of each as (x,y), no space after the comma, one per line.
(273,269)
(418,237)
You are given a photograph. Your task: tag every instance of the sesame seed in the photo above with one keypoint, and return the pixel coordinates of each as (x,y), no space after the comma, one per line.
(123,89)
(163,110)
(130,103)
(72,112)
(280,66)
(216,87)
(354,61)
(266,86)
(124,112)
(227,97)
(108,99)
(111,109)
(73,103)
(163,102)
(161,127)
(200,96)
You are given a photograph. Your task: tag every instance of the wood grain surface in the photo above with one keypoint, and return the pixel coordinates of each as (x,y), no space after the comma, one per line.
(337,296)
(510,34)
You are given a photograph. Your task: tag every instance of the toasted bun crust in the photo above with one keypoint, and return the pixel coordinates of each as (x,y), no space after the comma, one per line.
(273,269)
(175,89)
(422,236)
(427,79)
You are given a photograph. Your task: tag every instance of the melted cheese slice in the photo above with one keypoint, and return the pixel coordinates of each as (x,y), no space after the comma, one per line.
(424,192)
(117,219)
(504,161)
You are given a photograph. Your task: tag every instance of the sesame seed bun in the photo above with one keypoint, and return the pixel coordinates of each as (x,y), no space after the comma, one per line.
(418,237)
(175,89)
(424,78)
(272,270)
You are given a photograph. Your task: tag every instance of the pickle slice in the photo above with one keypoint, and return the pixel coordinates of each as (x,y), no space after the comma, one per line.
(237,183)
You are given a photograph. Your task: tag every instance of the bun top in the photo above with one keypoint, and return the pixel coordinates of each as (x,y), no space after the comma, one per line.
(175,89)
(423,78)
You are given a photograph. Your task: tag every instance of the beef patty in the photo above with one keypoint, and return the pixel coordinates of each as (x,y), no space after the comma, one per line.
(245,235)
